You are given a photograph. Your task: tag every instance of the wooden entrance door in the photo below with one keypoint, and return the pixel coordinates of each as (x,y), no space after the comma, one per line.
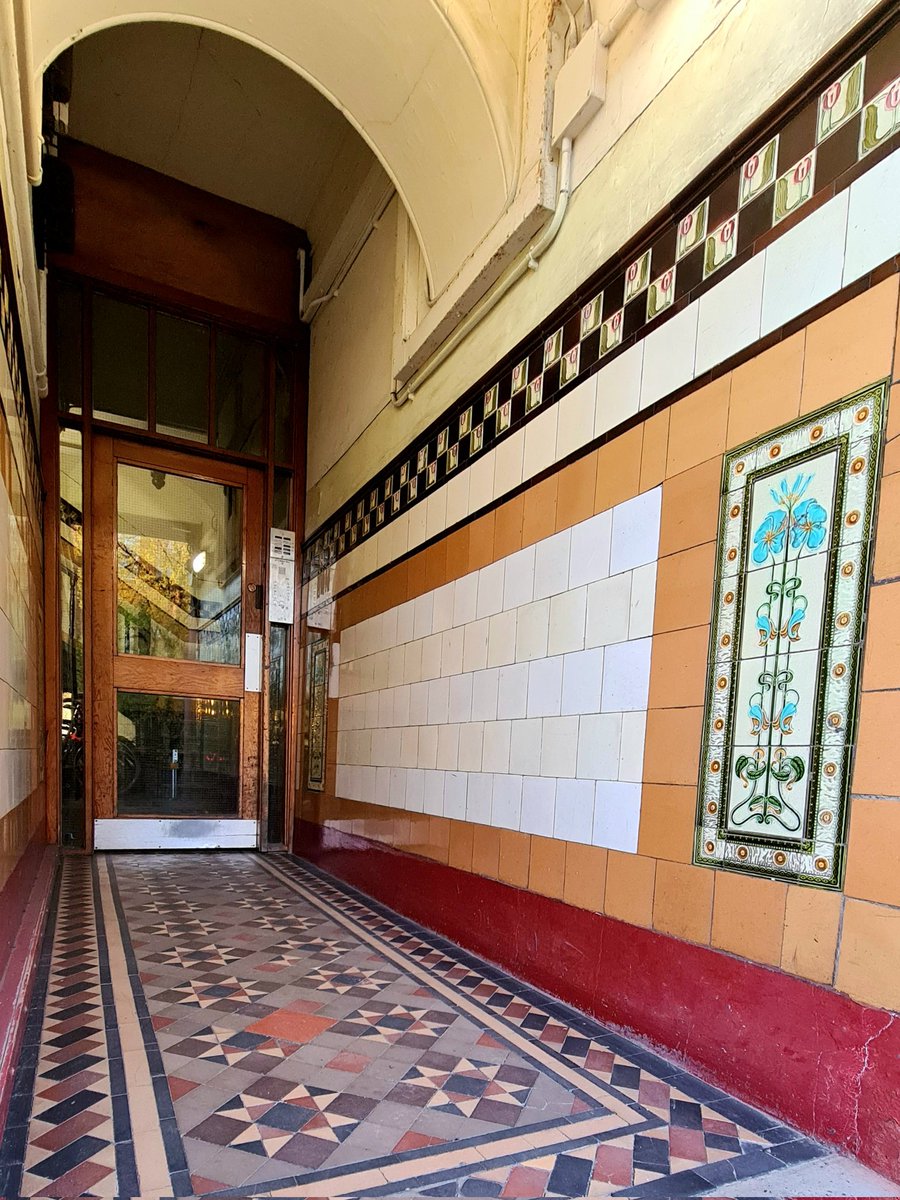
(177,648)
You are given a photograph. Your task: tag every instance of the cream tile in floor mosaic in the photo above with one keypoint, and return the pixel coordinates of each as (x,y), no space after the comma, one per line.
(243,1025)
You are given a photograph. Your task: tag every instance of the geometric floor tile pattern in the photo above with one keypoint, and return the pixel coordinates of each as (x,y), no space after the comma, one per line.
(239,1024)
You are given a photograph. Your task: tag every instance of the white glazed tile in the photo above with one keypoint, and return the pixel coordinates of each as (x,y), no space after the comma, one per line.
(805,265)
(430,665)
(484,695)
(730,314)
(599,746)
(619,389)
(490,589)
(452,651)
(465,598)
(457,498)
(544,687)
(475,643)
(582,682)
(455,788)
(540,443)
(518,579)
(617,814)
(471,746)
(496,746)
(438,701)
(525,746)
(643,601)
(635,531)
(538,805)
(631,753)
(576,417)
(513,691)
(461,697)
(406,622)
(608,610)
(481,483)
(434,793)
(626,676)
(567,617)
(589,556)
(551,564)
(502,639)
(532,630)
(409,746)
(508,463)
(436,513)
(669,353)
(424,618)
(506,809)
(478,798)
(443,608)
(559,747)
(448,747)
(574,820)
(873,226)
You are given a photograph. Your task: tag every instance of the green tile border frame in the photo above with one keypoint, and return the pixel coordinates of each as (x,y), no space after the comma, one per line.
(317,712)
(850,432)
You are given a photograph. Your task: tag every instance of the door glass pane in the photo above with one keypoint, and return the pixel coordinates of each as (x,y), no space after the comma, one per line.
(283,425)
(177,755)
(119,356)
(240,393)
(71,645)
(178,557)
(182,378)
(281,500)
(278,652)
(68,347)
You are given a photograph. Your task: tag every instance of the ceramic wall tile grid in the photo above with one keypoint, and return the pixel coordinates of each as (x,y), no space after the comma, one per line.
(849,125)
(795,539)
(17,405)
(303,1040)
(515,696)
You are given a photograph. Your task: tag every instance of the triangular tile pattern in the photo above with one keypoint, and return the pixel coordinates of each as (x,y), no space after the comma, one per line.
(312,1039)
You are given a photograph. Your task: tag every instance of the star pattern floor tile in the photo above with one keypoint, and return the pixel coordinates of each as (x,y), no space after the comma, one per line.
(297,1038)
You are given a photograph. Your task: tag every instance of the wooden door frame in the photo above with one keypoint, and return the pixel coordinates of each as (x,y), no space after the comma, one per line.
(110,671)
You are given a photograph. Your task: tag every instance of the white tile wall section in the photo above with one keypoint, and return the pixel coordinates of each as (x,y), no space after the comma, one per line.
(515,696)
(854,232)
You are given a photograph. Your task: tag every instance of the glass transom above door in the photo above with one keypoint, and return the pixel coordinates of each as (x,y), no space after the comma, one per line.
(178,566)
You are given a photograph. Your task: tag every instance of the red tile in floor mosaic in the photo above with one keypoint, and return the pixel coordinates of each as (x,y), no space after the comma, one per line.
(279,1034)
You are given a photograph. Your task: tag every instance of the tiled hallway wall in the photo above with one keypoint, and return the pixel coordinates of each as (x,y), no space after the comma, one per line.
(21,615)
(424,764)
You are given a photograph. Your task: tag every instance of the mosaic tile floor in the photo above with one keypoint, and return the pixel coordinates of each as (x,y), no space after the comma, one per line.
(243,1025)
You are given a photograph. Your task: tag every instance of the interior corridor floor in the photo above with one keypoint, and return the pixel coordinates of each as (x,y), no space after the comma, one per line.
(233,1024)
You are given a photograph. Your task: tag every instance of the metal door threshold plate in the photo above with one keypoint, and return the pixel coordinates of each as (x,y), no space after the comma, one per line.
(185,833)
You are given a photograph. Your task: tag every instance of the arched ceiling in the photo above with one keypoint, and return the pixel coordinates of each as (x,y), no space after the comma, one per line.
(433,87)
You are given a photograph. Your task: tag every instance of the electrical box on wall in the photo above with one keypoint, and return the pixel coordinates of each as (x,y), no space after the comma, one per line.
(580,88)
(281,576)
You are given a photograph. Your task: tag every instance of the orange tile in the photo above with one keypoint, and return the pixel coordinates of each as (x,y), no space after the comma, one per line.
(508,527)
(458,553)
(585,883)
(435,567)
(667,822)
(515,854)
(486,851)
(654,450)
(872,872)
(678,668)
(684,588)
(462,836)
(892,429)
(682,901)
(875,765)
(881,663)
(887,534)
(697,426)
(618,470)
(630,880)
(765,392)
(291,1026)
(672,745)
(690,507)
(869,956)
(547,870)
(748,916)
(811,921)
(577,486)
(481,542)
(539,516)
(850,347)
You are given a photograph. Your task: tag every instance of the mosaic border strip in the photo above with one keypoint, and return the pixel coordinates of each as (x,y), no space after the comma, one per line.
(855,115)
(14,348)
(770,802)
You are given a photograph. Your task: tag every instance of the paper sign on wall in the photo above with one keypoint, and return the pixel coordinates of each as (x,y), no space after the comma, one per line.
(281,576)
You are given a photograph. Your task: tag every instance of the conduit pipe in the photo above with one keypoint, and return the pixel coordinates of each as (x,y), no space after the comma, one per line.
(610,30)
(19,202)
(30,100)
(528,261)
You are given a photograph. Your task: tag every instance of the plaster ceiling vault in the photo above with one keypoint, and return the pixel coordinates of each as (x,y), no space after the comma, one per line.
(229,119)
(433,87)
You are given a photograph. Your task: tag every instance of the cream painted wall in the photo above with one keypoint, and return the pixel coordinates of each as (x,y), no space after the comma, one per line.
(730,64)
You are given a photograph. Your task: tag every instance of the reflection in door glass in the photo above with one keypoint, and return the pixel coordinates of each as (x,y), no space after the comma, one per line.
(178,553)
(177,756)
(71,640)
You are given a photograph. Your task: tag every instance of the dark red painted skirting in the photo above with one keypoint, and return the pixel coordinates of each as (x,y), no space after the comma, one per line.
(813,1057)
(23,907)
